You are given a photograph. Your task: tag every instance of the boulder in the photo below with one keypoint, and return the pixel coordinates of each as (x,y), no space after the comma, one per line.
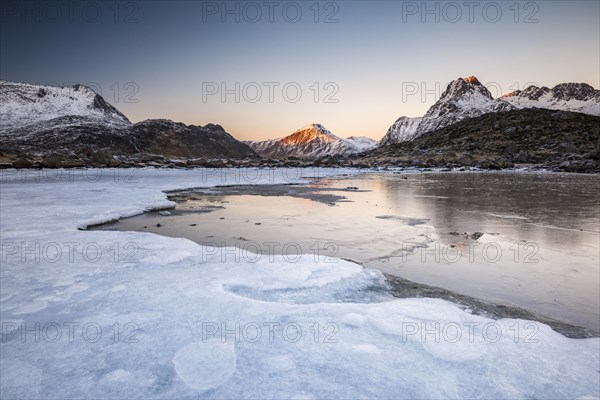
(510,149)
(52,159)
(104,157)
(522,157)
(71,163)
(22,163)
(566,147)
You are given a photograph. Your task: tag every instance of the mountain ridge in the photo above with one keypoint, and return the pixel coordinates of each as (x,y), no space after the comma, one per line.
(468,98)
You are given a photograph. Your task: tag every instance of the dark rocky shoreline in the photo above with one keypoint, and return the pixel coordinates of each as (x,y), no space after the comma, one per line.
(417,159)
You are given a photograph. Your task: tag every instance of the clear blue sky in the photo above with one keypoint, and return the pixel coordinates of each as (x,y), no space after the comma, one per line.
(369,56)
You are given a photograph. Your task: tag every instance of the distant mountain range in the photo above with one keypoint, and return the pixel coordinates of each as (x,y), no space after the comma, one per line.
(468,98)
(74,126)
(311,141)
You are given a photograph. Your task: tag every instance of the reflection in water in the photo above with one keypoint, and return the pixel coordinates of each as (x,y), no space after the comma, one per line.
(539,250)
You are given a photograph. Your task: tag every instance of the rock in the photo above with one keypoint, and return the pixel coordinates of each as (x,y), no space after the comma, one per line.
(465,160)
(511,148)
(522,157)
(475,235)
(179,163)
(595,154)
(104,157)
(22,163)
(52,159)
(564,115)
(164,213)
(489,164)
(71,163)
(510,131)
(5,165)
(216,164)
(564,164)
(566,147)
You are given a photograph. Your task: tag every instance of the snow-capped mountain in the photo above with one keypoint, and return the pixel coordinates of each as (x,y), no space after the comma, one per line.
(43,119)
(23,105)
(577,97)
(311,141)
(463,98)
(403,130)
(468,98)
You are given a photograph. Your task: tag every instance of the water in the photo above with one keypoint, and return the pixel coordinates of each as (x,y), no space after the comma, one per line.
(539,250)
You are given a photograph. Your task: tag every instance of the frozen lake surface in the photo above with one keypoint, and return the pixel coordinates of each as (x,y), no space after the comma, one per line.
(536,242)
(111,314)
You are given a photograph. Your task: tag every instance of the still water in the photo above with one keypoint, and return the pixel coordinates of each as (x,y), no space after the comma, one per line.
(525,239)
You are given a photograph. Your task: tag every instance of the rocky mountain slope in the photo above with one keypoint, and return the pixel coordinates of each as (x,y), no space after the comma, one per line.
(76,122)
(311,141)
(545,138)
(468,98)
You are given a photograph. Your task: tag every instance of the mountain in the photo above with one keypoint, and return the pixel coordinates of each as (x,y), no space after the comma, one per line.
(553,139)
(468,98)
(177,140)
(404,129)
(463,98)
(577,97)
(362,143)
(77,121)
(311,141)
(23,105)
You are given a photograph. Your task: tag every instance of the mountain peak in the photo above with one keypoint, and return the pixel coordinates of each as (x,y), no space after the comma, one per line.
(309,133)
(463,98)
(473,80)
(469,86)
(311,141)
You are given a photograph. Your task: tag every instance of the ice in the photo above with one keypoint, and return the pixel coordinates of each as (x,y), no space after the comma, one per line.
(146,316)
(205,365)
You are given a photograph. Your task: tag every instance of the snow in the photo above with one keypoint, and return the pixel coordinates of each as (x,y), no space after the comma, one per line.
(362,143)
(23,104)
(311,141)
(168,318)
(403,130)
(547,101)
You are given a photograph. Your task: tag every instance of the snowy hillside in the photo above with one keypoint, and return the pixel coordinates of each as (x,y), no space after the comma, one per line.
(311,141)
(22,105)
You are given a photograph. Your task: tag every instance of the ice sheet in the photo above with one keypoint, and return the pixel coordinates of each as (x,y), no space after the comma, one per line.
(98,314)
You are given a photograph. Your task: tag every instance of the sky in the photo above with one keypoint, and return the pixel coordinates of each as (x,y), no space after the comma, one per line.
(267,68)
